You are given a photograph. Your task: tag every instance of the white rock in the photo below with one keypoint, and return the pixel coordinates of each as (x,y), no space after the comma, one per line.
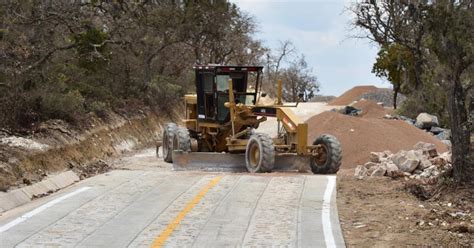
(406,161)
(425,120)
(427,148)
(399,157)
(424,163)
(360,172)
(375,157)
(392,169)
(415,155)
(379,171)
(409,165)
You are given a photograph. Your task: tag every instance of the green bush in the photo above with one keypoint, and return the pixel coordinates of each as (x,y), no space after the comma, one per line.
(68,106)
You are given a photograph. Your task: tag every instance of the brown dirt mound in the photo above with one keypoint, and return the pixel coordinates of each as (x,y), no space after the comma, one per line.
(352,95)
(371,109)
(360,136)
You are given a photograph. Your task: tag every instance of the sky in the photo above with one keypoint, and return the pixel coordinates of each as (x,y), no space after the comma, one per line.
(320,30)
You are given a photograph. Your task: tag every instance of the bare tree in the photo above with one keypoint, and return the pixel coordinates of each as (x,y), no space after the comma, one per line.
(298,79)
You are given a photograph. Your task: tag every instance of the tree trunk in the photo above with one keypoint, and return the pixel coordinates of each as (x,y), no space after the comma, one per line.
(463,168)
(395,95)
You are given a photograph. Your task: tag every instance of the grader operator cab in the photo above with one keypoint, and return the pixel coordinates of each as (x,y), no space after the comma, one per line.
(221,128)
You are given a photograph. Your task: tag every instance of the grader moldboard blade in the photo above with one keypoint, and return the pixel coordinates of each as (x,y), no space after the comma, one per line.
(228,162)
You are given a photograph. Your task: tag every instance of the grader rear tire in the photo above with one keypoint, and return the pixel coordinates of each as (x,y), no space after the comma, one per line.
(169,132)
(329,158)
(182,140)
(260,153)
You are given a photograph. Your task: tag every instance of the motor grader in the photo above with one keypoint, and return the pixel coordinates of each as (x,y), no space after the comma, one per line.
(221,128)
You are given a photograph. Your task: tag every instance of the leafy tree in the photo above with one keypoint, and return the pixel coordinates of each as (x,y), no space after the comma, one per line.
(395,63)
(451,28)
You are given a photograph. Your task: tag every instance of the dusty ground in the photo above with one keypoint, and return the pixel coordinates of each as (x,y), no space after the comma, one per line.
(380,212)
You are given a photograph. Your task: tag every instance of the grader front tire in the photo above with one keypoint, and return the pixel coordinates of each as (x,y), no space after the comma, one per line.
(329,157)
(260,153)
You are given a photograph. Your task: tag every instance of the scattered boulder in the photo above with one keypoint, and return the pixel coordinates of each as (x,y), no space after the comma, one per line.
(427,148)
(424,163)
(392,169)
(379,171)
(374,157)
(426,121)
(370,166)
(360,172)
(406,161)
(399,157)
(409,165)
(444,135)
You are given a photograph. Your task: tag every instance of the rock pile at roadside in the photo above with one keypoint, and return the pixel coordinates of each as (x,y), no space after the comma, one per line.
(423,163)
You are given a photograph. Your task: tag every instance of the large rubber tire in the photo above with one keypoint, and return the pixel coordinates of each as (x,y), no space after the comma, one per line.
(333,158)
(169,132)
(260,153)
(182,140)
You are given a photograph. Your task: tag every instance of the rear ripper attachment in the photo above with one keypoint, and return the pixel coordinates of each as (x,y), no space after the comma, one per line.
(222,120)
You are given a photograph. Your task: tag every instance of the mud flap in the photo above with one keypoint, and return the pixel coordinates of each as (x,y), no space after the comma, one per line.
(227,162)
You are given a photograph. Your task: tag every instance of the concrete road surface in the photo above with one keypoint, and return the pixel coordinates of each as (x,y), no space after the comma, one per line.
(144,203)
(148,205)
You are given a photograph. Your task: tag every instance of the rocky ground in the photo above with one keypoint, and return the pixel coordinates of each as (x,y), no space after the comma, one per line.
(406,197)
(381,212)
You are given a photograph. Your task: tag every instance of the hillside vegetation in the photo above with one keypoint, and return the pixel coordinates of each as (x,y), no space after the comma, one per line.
(66,59)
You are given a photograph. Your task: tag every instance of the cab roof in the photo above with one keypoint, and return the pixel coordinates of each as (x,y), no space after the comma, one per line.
(227,68)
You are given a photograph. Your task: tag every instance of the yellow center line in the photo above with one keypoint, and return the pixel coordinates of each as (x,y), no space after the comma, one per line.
(160,240)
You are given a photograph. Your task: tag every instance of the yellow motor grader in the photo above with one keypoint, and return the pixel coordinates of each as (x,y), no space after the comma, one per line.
(220,131)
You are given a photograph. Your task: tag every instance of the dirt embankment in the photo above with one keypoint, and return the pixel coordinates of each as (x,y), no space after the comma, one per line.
(359,136)
(57,147)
